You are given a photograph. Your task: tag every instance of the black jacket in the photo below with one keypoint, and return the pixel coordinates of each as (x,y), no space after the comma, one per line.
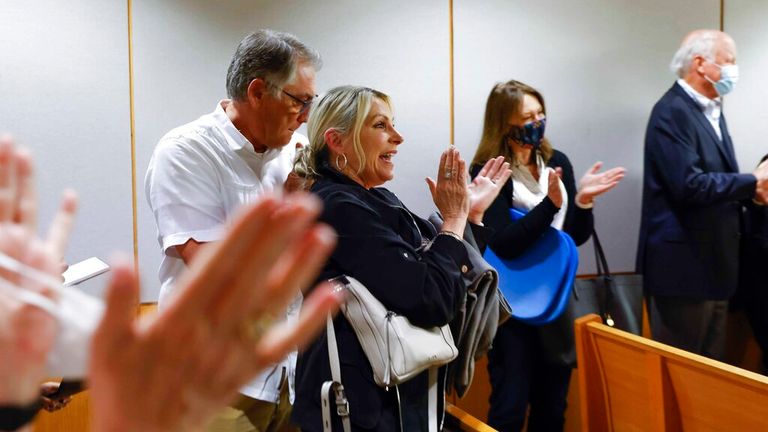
(378,242)
(511,239)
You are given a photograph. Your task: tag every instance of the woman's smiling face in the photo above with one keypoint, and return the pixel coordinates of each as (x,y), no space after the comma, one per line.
(379,140)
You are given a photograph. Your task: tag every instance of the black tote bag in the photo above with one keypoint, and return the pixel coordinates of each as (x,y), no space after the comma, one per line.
(617,299)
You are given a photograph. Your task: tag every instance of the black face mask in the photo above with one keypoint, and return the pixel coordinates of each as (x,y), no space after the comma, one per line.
(530,133)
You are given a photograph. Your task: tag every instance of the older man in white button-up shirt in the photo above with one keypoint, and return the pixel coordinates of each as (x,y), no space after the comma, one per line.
(201,172)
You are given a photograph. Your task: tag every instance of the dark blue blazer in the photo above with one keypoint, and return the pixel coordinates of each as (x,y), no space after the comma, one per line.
(690,226)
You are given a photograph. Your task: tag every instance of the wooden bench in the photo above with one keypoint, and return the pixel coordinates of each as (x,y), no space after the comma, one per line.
(457,420)
(629,383)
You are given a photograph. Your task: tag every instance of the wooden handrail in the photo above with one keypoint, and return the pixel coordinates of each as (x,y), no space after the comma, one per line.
(466,422)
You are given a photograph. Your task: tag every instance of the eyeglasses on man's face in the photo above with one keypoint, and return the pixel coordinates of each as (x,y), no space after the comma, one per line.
(303,104)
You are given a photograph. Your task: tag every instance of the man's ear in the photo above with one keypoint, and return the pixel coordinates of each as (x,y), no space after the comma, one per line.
(257,89)
(698,63)
(332,139)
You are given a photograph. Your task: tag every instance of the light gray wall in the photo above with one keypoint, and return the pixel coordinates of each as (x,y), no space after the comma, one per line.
(183,48)
(600,64)
(64,94)
(747,107)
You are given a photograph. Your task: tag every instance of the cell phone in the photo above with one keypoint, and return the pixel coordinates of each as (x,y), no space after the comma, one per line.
(84,270)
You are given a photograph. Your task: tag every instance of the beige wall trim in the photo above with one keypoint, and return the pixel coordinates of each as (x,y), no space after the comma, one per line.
(722,15)
(133,142)
(450,35)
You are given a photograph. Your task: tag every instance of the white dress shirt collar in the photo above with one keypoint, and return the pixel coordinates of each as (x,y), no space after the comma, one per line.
(235,139)
(710,107)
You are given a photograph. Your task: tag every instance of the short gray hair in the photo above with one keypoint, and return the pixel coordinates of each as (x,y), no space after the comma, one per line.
(700,42)
(270,55)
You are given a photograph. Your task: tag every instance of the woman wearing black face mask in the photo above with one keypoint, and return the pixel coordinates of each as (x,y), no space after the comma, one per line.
(542,186)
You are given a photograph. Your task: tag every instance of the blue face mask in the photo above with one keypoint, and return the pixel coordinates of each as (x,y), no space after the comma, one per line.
(530,133)
(729,76)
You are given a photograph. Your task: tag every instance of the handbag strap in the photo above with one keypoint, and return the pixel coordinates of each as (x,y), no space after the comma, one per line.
(432,399)
(602,263)
(387,370)
(335,386)
(605,273)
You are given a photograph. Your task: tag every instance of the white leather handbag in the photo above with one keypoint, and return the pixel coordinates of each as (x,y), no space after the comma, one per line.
(396,349)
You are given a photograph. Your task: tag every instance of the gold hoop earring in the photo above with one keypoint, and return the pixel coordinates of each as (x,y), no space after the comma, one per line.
(338,166)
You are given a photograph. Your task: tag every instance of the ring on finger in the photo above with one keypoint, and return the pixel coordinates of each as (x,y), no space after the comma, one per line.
(448,174)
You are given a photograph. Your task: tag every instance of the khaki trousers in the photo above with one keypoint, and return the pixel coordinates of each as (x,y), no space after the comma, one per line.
(253,415)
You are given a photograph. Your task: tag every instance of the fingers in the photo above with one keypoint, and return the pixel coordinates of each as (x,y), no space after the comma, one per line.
(49,387)
(495,167)
(761,172)
(219,284)
(8,187)
(26,198)
(461,170)
(617,172)
(122,298)
(453,160)
(61,228)
(506,173)
(432,187)
(213,266)
(559,172)
(486,168)
(297,269)
(281,339)
(552,178)
(595,167)
(490,169)
(443,167)
(34,255)
(268,271)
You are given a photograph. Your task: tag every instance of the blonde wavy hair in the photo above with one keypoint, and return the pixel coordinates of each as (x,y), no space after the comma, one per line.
(344,109)
(505,101)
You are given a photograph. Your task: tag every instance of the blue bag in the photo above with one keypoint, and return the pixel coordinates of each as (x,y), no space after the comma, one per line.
(537,284)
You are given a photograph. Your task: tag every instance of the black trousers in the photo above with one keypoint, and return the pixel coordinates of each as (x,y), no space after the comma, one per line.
(752,294)
(522,375)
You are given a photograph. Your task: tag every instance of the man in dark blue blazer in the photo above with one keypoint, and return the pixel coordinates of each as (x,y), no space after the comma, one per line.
(692,199)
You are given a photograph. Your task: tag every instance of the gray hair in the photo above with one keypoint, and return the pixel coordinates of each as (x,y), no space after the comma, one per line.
(344,109)
(700,42)
(270,55)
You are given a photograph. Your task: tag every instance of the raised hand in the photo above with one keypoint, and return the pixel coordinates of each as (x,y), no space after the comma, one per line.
(450,192)
(27,332)
(485,187)
(595,183)
(50,401)
(761,191)
(554,192)
(189,360)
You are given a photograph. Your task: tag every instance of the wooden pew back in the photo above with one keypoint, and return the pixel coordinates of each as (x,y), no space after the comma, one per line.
(629,383)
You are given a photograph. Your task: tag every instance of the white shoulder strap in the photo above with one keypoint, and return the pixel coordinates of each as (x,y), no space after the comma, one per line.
(432,399)
(342,405)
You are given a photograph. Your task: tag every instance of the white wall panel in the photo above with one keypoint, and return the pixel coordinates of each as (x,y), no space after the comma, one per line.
(183,48)
(601,65)
(747,107)
(64,94)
